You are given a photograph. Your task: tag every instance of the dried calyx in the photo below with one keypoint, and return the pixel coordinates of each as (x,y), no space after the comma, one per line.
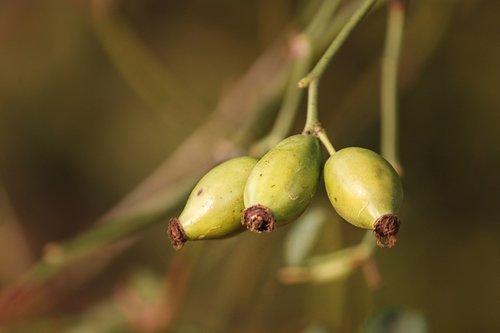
(258,218)
(386,229)
(176,233)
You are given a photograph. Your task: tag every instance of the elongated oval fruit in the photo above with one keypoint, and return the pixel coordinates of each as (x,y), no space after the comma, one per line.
(282,183)
(215,206)
(366,191)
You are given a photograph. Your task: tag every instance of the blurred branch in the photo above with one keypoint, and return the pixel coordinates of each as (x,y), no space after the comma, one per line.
(147,77)
(11,240)
(331,266)
(322,17)
(272,16)
(155,309)
(156,196)
(434,17)
(304,233)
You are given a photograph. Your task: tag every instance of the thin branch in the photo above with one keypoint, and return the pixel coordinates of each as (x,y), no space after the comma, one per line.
(346,30)
(313,126)
(331,266)
(388,93)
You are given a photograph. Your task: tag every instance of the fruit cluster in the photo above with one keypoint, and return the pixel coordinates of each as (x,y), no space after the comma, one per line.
(261,195)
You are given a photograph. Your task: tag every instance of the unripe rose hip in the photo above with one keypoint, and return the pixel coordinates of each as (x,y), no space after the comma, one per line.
(282,183)
(214,207)
(366,191)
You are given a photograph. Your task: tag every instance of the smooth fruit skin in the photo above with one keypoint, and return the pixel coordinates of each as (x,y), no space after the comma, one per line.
(214,207)
(362,186)
(282,183)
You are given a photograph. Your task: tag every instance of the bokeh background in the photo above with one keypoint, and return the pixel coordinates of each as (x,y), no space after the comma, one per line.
(111,110)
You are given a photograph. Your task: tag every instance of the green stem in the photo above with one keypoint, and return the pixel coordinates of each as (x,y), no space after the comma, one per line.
(337,43)
(312,107)
(388,98)
(323,137)
(300,46)
(335,25)
(313,126)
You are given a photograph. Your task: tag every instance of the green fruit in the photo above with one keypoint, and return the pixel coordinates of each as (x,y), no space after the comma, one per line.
(282,183)
(214,207)
(366,191)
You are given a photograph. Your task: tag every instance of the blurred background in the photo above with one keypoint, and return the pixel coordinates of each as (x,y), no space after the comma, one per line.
(110,111)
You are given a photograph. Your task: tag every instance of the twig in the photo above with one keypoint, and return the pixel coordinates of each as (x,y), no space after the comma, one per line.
(313,126)
(388,92)
(337,43)
(332,266)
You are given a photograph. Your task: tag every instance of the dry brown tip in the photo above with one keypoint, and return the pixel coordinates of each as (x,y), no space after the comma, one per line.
(176,233)
(258,218)
(386,228)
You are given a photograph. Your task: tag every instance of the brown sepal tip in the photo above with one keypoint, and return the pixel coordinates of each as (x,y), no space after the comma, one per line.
(176,233)
(258,218)
(386,229)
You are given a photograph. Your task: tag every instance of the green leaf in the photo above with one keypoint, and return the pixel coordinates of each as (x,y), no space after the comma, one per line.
(303,235)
